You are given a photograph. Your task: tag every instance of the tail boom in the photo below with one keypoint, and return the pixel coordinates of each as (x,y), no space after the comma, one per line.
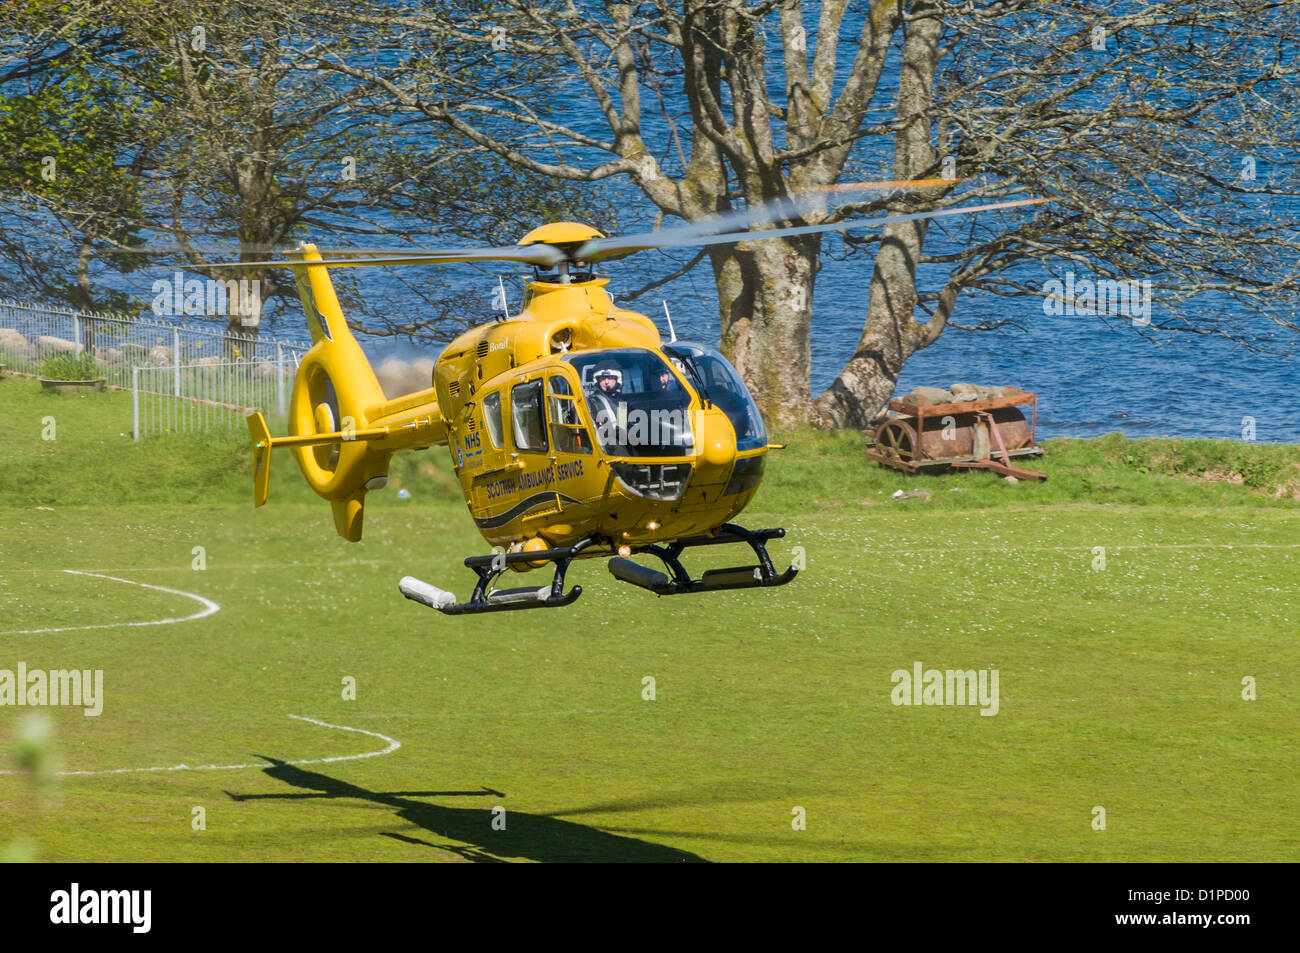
(337,403)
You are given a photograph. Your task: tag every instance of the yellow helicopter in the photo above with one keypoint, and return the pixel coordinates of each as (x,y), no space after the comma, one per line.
(575,429)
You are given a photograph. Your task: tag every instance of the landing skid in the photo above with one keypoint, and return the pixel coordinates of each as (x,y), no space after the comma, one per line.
(679,581)
(487,599)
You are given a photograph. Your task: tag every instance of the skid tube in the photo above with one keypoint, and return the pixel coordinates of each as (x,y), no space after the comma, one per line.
(487,599)
(678,581)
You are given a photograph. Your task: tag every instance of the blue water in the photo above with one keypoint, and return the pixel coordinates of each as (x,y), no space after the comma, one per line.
(1091,380)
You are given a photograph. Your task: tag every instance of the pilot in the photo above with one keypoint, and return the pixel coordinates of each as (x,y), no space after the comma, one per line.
(604,400)
(665,379)
(608,380)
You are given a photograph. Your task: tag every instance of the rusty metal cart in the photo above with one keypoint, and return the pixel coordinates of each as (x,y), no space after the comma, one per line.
(974,434)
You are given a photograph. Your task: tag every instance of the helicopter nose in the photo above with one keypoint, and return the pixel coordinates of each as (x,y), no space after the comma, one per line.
(716,439)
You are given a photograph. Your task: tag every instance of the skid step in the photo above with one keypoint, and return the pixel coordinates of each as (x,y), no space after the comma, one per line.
(417,590)
(488,568)
(678,581)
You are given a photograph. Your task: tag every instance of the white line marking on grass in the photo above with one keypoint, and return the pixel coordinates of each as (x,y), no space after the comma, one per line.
(393,745)
(240,567)
(209,607)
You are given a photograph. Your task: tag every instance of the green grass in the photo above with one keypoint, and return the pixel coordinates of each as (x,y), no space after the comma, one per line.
(93,460)
(1119,687)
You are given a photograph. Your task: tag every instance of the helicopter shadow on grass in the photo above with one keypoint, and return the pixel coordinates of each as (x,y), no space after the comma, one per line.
(527,836)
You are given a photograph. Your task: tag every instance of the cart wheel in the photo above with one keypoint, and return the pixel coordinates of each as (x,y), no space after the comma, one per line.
(896,439)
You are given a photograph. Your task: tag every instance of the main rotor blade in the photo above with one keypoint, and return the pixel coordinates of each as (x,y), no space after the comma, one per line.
(787,207)
(549,255)
(544,255)
(669,240)
(281,248)
(726,229)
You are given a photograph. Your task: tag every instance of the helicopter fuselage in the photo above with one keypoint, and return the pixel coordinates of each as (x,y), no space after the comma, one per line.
(546,456)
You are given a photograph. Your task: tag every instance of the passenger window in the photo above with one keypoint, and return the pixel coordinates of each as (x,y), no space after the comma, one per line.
(492,418)
(567,432)
(526,416)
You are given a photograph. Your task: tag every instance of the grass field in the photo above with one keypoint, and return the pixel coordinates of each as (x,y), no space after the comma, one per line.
(1120,687)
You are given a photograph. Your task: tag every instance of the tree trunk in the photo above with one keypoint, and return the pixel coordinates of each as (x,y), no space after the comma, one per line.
(763,293)
(84,296)
(244,317)
(890,334)
(244,296)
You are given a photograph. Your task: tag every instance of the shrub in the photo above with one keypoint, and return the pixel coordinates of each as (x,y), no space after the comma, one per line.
(70,367)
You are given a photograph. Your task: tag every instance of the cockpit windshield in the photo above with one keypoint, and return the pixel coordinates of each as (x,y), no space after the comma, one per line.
(719,383)
(637,404)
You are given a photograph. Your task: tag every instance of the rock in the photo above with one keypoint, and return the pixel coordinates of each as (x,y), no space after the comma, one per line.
(160,356)
(264,371)
(1009,479)
(964,398)
(922,495)
(46,345)
(980,392)
(977,391)
(398,377)
(927,397)
(915,494)
(15,345)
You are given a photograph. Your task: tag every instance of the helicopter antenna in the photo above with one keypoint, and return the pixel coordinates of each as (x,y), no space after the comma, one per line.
(672,334)
(501,290)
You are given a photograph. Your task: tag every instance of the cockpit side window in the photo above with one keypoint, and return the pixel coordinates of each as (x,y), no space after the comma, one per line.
(567,432)
(722,385)
(526,416)
(492,418)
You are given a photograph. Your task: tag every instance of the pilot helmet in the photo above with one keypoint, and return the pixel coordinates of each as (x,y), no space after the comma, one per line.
(607,370)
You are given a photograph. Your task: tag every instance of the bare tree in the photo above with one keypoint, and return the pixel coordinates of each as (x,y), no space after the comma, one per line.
(1137,119)
(190,123)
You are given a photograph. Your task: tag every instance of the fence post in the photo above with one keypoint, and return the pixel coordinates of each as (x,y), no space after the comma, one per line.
(281,403)
(176,359)
(135,402)
(76,332)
